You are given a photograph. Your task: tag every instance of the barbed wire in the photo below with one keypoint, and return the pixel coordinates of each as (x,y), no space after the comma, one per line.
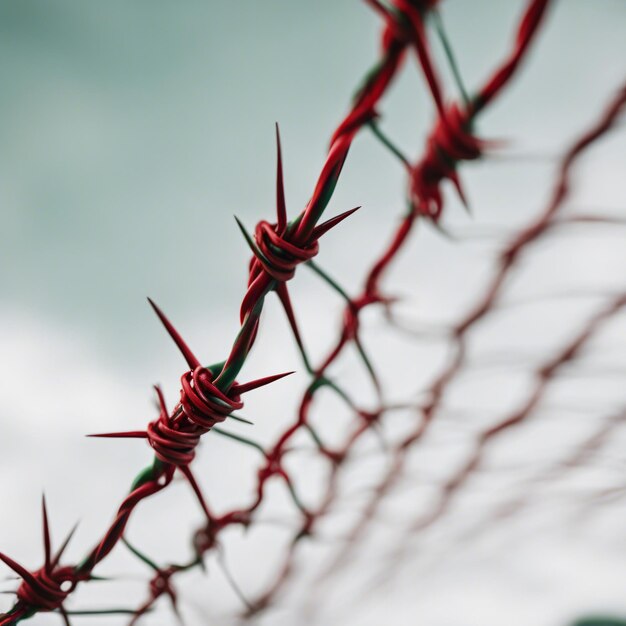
(210,395)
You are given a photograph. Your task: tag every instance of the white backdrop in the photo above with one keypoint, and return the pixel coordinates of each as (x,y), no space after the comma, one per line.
(131,133)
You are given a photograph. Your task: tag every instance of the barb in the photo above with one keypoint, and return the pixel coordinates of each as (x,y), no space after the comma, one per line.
(452,140)
(45,589)
(485,305)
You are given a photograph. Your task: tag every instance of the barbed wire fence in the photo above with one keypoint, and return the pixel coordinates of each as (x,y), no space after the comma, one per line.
(401,427)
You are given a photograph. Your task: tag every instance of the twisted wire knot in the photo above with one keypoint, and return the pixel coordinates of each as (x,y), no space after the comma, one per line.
(280,256)
(279,247)
(172,446)
(46,590)
(202,405)
(451,137)
(205,537)
(175,436)
(449,143)
(161,583)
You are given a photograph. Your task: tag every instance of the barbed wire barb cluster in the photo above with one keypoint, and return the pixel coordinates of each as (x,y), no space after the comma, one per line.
(210,395)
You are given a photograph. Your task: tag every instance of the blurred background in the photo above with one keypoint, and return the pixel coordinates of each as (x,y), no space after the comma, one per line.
(132,132)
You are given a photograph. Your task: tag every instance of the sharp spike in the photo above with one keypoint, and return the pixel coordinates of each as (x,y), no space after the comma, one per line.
(46,533)
(456,181)
(255,384)
(61,550)
(189,356)
(202,565)
(320,230)
(238,418)
(131,434)
(443,231)
(281,207)
(250,241)
(20,571)
(283,293)
(186,470)
(175,609)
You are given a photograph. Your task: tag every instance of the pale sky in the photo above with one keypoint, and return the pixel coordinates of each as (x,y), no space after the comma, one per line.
(132,132)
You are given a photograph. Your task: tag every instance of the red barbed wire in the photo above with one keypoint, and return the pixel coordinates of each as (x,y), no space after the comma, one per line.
(210,394)
(435,157)
(544,376)
(508,259)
